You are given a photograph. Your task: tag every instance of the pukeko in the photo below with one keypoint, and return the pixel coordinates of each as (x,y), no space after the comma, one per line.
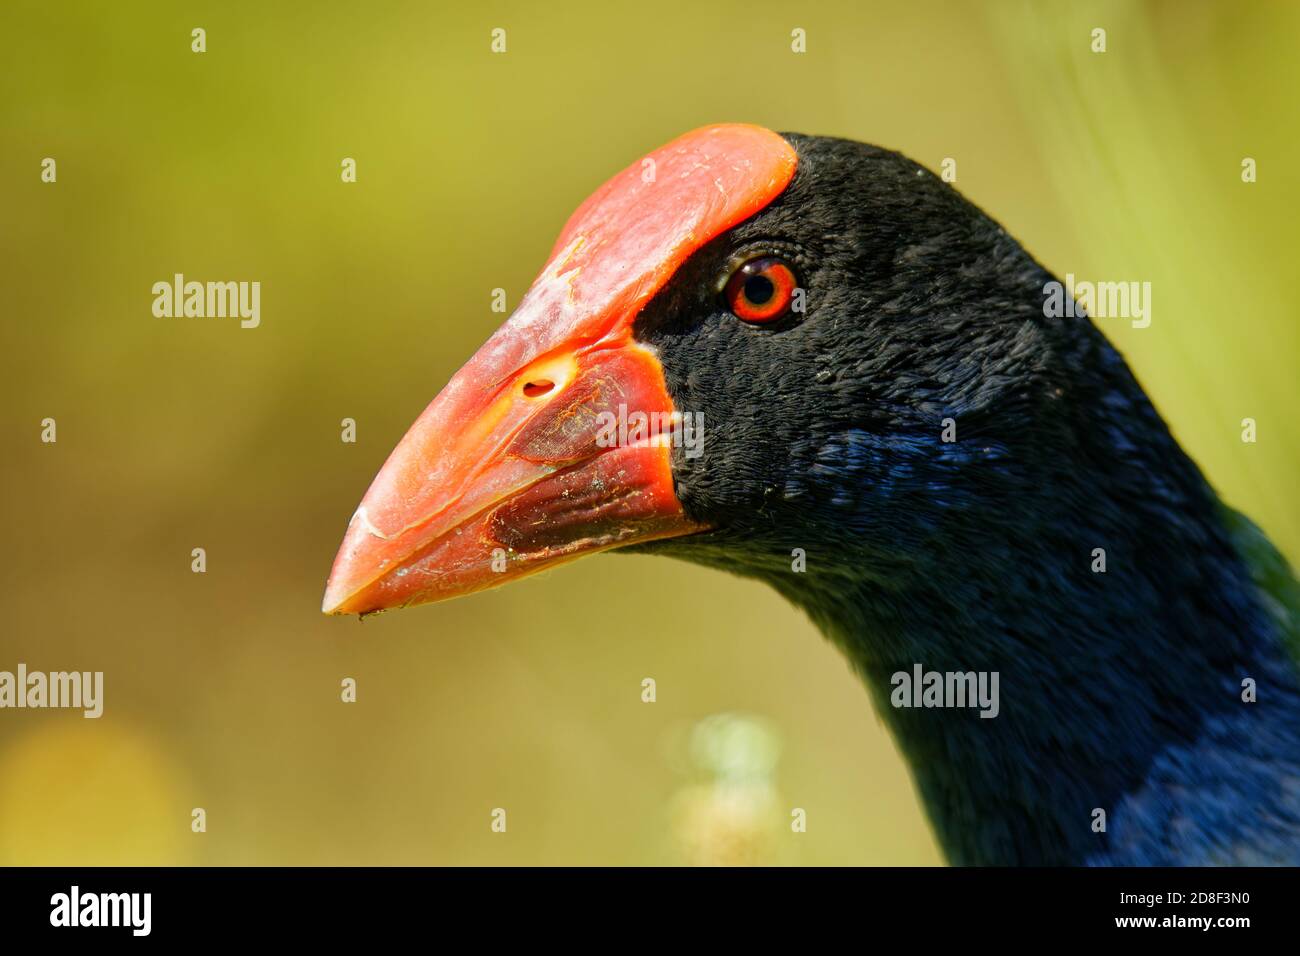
(810,361)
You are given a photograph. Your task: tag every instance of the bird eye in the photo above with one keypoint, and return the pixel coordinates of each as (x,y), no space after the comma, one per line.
(761,290)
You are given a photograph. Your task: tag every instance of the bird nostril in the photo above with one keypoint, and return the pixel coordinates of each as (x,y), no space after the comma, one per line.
(538,388)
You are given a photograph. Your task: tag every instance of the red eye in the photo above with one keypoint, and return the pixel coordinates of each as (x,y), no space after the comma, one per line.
(761,290)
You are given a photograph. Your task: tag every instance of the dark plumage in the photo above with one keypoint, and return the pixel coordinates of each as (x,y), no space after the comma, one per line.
(824,431)
(1121,690)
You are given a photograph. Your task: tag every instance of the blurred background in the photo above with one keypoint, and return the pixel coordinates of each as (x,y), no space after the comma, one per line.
(222,689)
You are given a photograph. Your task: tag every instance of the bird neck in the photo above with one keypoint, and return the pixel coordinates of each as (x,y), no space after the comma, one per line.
(1066,544)
(1077,553)
(1071,697)
(1063,716)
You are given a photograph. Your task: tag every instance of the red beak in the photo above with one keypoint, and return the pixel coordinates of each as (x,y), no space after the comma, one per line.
(513,467)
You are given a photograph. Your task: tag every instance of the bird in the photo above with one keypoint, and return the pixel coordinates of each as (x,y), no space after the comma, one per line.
(751,345)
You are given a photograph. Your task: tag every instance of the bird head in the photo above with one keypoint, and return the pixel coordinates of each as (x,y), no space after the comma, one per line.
(741,345)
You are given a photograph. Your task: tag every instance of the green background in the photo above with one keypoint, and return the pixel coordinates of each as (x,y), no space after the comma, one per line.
(222,689)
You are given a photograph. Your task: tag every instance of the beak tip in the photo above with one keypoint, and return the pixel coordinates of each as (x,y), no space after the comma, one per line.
(338,598)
